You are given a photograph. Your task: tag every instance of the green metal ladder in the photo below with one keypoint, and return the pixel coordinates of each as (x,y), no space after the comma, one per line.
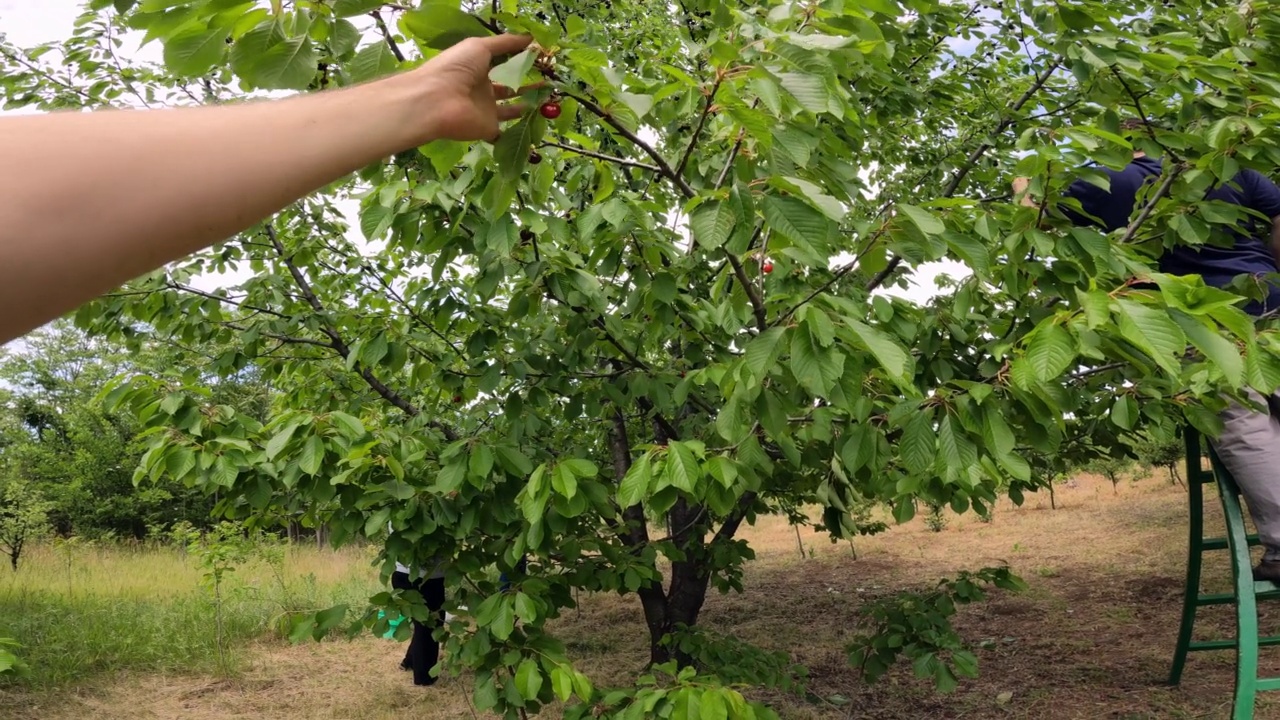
(1245,592)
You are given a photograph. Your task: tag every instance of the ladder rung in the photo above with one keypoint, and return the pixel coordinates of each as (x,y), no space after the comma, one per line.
(1220,543)
(1268,684)
(1261,590)
(1229,644)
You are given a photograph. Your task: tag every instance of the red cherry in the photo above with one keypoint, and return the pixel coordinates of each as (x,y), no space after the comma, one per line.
(767,268)
(457,398)
(550,110)
(535,157)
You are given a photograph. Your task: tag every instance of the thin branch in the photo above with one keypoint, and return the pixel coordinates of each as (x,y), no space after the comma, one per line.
(226,300)
(1137,106)
(340,346)
(115,59)
(1150,207)
(757,304)
(664,168)
(702,121)
(733,155)
(48,75)
(386,35)
(972,161)
(602,156)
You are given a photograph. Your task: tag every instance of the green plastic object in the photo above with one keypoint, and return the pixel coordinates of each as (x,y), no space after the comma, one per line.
(1245,593)
(391,632)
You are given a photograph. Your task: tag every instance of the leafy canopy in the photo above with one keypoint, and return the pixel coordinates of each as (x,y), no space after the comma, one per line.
(553,360)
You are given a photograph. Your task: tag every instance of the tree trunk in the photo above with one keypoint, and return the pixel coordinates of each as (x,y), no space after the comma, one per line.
(322,536)
(674,611)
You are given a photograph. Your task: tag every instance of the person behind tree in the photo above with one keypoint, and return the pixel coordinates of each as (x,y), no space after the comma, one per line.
(1249,445)
(424,650)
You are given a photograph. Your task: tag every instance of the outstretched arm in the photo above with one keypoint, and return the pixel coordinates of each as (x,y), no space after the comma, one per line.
(91,200)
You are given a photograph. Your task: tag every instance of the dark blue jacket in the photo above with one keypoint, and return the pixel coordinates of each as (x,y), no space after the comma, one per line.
(1249,252)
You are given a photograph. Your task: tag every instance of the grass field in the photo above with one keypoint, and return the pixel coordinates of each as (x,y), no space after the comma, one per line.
(118,634)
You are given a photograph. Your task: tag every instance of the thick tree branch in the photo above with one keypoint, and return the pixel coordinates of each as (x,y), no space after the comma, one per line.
(735,518)
(601,156)
(636,529)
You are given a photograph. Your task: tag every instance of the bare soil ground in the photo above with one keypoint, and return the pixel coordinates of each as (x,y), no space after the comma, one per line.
(1091,638)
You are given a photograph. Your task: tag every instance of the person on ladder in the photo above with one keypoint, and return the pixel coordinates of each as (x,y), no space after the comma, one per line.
(1250,442)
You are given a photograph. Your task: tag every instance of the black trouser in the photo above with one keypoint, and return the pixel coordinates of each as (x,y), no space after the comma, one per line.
(424,651)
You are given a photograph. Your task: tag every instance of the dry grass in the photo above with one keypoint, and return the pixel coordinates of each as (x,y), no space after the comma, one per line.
(1091,638)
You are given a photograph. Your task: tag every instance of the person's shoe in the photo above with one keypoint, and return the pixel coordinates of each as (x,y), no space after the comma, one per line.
(1267,570)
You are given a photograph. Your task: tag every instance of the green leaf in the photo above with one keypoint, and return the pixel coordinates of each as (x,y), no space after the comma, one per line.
(891,356)
(1096,305)
(180,461)
(564,481)
(514,461)
(511,73)
(921,218)
(683,470)
(529,679)
(762,352)
(1124,413)
(312,456)
(1050,351)
(809,90)
(372,62)
(685,703)
(440,24)
(452,475)
(350,425)
(713,705)
(266,59)
(635,485)
(486,691)
(562,683)
(224,472)
(279,440)
(581,467)
(351,8)
(639,104)
(1219,350)
(723,470)
(817,368)
(664,287)
(712,223)
(795,220)
(504,621)
(918,446)
(997,434)
(194,50)
(1153,332)
(480,462)
(512,149)
(526,608)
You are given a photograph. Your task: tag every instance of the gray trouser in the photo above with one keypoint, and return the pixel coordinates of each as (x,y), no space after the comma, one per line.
(1250,449)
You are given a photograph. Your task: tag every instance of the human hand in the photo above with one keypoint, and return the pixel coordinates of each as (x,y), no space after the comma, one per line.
(459,100)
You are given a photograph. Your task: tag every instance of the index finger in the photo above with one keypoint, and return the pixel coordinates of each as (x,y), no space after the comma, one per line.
(499,45)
